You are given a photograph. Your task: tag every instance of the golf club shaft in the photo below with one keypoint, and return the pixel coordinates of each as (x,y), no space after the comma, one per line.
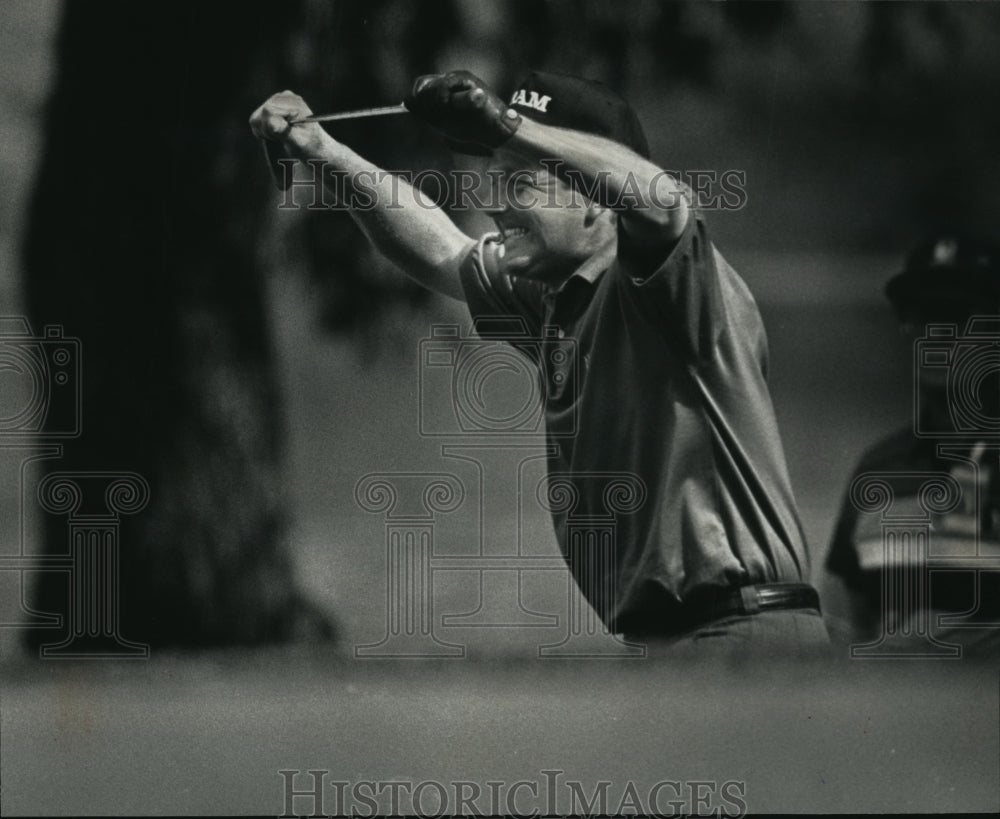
(359,113)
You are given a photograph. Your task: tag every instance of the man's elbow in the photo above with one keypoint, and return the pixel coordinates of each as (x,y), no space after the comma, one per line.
(439,276)
(657,222)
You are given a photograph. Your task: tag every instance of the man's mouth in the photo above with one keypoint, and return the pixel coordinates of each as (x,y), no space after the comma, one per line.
(511,232)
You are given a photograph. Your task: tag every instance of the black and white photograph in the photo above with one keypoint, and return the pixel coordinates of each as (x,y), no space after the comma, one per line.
(499,407)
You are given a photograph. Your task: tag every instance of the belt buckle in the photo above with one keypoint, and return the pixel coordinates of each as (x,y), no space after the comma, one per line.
(751,600)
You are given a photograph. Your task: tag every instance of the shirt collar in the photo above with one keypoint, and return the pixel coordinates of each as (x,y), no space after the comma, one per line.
(589,272)
(593,267)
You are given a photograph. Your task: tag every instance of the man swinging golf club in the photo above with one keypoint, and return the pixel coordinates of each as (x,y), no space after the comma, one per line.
(668,383)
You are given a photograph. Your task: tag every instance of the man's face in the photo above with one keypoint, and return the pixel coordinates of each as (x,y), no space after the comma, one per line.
(548,229)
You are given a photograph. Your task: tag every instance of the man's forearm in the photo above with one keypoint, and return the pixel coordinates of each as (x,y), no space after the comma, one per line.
(398,219)
(649,201)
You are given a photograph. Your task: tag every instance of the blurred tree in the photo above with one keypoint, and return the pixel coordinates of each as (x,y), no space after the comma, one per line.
(142,242)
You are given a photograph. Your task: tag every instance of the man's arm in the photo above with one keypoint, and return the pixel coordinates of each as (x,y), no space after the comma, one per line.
(651,204)
(420,238)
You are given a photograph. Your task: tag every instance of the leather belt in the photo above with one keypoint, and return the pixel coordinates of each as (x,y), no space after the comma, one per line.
(706,606)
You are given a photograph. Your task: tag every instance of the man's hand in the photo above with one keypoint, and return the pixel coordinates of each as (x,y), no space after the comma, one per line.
(271,123)
(463,108)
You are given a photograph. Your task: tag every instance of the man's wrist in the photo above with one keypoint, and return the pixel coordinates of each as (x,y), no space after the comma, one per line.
(509,123)
(309,141)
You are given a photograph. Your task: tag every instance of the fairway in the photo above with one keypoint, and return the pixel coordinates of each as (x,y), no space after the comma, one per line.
(209,733)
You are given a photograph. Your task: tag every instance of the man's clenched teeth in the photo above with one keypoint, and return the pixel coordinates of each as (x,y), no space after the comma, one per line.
(507,233)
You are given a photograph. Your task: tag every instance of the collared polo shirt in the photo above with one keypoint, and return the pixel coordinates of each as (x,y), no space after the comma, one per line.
(655,369)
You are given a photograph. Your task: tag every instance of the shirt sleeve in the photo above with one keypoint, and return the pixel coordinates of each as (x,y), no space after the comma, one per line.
(499,300)
(685,291)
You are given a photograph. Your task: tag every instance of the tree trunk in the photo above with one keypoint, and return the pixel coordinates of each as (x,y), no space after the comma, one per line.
(142,243)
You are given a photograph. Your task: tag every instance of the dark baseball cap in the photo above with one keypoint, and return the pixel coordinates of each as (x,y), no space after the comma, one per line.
(947,269)
(575,103)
